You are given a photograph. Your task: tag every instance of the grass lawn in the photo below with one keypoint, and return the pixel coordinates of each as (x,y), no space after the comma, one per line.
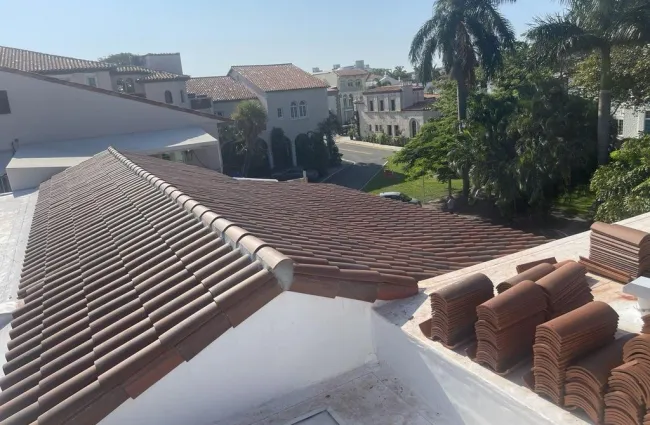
(576,204)
(393,179)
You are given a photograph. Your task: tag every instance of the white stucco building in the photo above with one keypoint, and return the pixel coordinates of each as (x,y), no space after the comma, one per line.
(395,110)
(295,101)
(48,124)
(350,83)
(632,122)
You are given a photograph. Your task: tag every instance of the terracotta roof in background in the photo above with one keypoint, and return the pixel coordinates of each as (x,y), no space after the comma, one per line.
(350,72)
(384,89)
(27,60)
(279,77)
(221,88)
(327,228)
(122,283)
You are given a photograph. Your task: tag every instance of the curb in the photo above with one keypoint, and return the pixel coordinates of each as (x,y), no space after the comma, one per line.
(370,145)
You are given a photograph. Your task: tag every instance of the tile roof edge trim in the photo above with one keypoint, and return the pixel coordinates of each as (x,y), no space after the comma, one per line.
(277,263)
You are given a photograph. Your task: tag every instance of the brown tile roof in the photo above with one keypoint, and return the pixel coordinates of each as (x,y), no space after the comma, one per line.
(384,89)
(111,93)
(220,88)
(150,75)
(122,282)
(350,72)
(27,60)
(279,77)
(424,105)
(328,228)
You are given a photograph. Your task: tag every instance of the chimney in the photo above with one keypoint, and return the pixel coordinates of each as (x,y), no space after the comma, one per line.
(359,65)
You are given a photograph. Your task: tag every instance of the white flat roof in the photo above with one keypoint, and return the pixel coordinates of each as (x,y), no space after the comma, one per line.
(409,313)
(72,152)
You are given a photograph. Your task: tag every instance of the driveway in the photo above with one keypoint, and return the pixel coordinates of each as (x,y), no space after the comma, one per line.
(364,162)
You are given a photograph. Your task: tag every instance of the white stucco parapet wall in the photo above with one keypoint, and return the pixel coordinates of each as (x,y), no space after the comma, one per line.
(463,391)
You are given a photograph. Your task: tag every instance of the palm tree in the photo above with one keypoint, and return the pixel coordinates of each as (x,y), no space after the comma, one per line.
(250,120)
(465,33)
(588,26)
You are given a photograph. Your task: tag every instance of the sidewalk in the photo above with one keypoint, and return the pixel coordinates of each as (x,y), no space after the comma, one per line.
(346,140)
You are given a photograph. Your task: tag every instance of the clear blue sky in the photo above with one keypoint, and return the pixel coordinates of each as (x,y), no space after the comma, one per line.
(211,35)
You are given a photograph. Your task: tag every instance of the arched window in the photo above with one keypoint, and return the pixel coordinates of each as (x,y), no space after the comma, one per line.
(414,128)
(294,110)
(351,101)
(120,85)
(303,109)
(129,86)
(345,101)
(358,83)
(168,97)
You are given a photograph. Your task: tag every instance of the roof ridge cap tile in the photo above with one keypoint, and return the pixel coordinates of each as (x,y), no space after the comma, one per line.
(277,263)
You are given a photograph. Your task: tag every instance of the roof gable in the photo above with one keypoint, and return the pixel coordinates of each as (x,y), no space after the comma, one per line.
(220,89)
(279,77)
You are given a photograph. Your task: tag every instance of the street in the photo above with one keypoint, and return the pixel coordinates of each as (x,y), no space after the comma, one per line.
(364,162)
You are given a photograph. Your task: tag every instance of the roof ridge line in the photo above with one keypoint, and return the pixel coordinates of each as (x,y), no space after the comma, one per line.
(277,263)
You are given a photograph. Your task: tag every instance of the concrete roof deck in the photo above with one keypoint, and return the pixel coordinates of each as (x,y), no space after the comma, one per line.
(409,313)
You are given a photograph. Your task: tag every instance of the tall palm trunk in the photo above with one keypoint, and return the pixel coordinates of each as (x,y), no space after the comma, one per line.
(462,116)
(604,104)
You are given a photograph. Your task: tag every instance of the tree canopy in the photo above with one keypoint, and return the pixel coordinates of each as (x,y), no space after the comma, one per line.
(123,59)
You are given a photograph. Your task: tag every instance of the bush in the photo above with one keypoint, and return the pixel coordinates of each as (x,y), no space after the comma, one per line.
(281,148)
(623,186)
(311,152)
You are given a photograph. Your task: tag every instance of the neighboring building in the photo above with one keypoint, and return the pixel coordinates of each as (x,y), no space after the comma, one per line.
(295,101)
(350,82)
(395,110)
(160,293)
(158,82)
(632,122)
(48,124)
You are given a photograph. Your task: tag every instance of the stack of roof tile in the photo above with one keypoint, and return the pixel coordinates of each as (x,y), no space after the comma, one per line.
(646,324)
(506,326)
(534,273)
(454,309)
(620,248)
(628,393)
(565,339)
(646,418)
(586,380)
(638,348)
(566,289)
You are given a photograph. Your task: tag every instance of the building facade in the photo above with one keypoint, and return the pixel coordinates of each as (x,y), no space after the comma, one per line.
(350,83)
(395,111)
(632,122)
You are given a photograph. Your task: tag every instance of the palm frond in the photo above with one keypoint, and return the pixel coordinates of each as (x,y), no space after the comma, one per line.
(630,25)
(486,45)
(420,40)
(557,36)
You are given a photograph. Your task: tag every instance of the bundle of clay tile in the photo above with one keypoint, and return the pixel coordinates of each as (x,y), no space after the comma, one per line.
(586,379)
(628,393)
(646,418)
(620,247)
(566,339)
(505,330)
(637,348)
(454,309)
(534,273)
(566,289)
(646,324)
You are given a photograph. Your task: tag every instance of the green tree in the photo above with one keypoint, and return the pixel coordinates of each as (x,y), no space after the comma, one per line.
(594,26)
(623,185)
(466,34)
(630,76)
(399,73)
(250,121)
(123,59)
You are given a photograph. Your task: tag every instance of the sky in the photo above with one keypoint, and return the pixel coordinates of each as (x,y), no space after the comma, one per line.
(212,35)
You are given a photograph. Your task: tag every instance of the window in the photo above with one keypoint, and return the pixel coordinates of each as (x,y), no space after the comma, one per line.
(168,97)
(646,127)
(381,105)
(182,96)
(294,110)
(371,105)
(376,127)
(345,101)
(619,127)
(4,103)
(397,130)
(350,83)
(358,83)
(91,80)
(370,127)
(390,130)
(414,128)
(280,113)
(129,86)
(381,128)
(351,102)
(392,104)
(303,109)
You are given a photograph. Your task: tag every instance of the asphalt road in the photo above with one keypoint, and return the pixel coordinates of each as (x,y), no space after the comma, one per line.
(364,162)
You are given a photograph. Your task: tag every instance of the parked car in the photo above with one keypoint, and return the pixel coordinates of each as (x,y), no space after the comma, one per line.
(294,173)
(398,196)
